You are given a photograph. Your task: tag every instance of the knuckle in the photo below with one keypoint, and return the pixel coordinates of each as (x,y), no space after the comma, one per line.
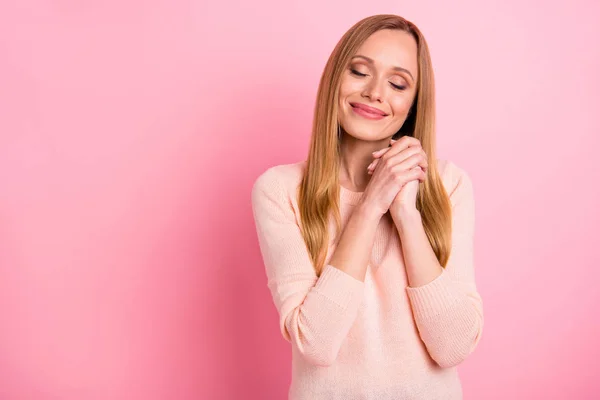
(406,140)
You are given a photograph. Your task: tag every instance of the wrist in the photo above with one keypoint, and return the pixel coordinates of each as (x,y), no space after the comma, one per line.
(364,210)
(406,216)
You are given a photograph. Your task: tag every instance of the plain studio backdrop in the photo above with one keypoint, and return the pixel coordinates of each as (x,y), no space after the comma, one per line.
(131,133)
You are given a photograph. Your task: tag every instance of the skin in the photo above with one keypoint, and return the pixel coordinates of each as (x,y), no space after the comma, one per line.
(388,176)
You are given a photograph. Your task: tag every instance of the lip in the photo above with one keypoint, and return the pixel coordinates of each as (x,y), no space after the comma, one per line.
(366,111)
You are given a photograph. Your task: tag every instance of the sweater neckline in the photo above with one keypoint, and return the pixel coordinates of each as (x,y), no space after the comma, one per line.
(350,197)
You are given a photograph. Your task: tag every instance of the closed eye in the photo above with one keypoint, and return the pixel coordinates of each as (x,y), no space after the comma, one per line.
(397,87)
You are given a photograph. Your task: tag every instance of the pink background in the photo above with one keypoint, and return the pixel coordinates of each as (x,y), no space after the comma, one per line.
(131,134)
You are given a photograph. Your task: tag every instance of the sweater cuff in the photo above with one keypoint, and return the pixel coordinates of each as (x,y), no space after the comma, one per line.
(434,298)
(339,287)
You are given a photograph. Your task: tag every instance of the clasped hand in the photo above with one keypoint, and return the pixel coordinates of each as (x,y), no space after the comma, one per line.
(396,173)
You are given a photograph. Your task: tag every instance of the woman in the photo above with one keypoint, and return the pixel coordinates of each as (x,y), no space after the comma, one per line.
(368,243)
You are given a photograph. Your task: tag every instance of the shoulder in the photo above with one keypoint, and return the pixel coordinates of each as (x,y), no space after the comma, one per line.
(279,181)
(456,180)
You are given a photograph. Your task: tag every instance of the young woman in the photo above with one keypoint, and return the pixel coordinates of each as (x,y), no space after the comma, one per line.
(368,243)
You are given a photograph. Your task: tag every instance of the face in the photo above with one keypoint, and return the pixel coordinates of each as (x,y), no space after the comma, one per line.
(378,86)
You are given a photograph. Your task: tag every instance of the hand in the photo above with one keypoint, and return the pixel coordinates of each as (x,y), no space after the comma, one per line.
(392,169)
(411,148)
(406,199)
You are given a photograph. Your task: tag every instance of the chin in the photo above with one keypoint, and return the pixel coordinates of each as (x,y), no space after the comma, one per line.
(367,132)
(363,134)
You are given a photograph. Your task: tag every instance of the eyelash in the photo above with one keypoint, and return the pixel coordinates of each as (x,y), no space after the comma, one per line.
(355,72)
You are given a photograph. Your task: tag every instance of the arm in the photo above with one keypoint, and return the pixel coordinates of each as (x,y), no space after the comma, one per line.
(315,313)
(446,306)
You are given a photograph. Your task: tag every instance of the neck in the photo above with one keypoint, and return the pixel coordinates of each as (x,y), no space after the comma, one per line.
(355,157)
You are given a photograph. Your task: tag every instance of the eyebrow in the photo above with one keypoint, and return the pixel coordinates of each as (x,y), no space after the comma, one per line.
(370,61)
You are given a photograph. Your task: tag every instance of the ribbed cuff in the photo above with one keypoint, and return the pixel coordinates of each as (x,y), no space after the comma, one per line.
(435,298)
(339,287)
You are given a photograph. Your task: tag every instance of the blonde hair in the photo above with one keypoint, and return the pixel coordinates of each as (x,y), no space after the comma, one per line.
(318,193)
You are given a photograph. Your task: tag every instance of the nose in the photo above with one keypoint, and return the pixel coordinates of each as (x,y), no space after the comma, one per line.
(373,90)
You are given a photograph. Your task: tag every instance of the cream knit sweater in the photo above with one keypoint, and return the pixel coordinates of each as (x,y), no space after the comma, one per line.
(377,339)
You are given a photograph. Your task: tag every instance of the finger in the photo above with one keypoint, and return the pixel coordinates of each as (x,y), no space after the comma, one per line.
(402,144)
(380,152)
(372,166)
(411,150)
(420,174)
(423,163)
(409,140)
(405,141)
(423,173)
(401,163)
(414,153)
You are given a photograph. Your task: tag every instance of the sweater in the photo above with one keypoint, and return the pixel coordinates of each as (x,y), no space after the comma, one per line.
(378,339)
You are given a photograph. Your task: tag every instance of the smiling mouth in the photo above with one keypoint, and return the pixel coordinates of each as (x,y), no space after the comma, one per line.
(367,112)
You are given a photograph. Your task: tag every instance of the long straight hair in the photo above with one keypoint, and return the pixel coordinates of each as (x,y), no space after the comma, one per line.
(318,193)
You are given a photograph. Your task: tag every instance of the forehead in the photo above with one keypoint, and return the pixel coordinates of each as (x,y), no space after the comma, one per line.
(389,48)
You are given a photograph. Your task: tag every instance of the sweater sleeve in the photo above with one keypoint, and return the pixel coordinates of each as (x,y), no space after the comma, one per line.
(315,313)
(448,311)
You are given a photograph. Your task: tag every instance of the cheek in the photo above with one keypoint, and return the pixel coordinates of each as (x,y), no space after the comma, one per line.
(401,105)
(345,94)
(346,89)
